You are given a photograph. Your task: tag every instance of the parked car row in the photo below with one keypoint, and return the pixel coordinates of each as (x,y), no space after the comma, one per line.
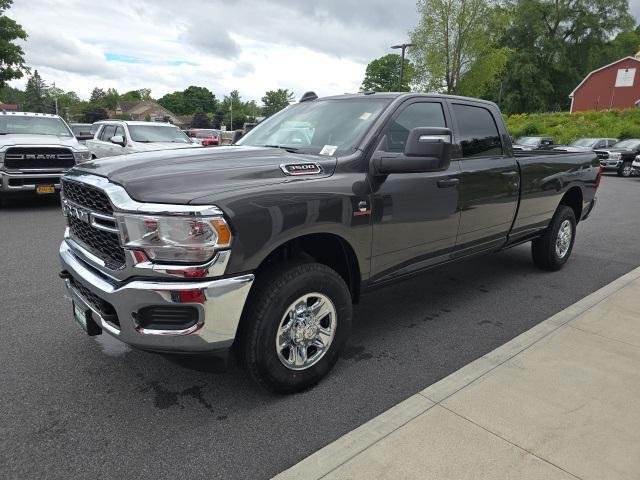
(205,136)
(621,156)
(121,137)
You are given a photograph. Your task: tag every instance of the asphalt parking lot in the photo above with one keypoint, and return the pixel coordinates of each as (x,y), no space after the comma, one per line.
(93,408)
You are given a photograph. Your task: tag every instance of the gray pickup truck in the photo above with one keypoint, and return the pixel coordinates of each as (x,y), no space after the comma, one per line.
(264,246)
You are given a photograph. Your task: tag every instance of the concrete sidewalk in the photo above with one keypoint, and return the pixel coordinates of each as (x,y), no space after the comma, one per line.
(560,401)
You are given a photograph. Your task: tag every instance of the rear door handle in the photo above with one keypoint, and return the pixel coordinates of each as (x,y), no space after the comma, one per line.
(509,174)
(448,182)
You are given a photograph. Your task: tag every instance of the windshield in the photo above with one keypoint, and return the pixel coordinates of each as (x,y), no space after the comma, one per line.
(157,133)
(528,141)
(584,142)
(627,144)
(27,125)
(206,133)
(325,127)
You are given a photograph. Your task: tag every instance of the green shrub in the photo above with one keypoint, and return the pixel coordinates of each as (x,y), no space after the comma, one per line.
(565,127)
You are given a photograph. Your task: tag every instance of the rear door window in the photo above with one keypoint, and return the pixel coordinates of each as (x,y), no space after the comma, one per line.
(477,131)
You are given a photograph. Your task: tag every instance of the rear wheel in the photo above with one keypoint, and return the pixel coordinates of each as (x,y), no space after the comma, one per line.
(296,323)
(625,169)
(553,249)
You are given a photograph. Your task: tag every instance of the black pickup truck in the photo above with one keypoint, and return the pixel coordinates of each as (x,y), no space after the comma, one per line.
(265,245)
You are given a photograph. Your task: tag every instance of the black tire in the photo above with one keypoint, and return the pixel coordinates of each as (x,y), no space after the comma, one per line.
(543,249)
(273,293)
(625,169)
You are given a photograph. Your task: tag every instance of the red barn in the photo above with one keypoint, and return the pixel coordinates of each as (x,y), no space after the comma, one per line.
(616,85)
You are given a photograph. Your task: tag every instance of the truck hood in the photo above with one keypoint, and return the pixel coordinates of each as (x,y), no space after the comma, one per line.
(183,176)
(11,139)
(614,150)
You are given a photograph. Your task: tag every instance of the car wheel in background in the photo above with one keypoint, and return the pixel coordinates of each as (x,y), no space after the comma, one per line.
(625,169)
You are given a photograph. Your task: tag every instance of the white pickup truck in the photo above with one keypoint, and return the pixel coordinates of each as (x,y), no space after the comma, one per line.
(120,137)
(36,149)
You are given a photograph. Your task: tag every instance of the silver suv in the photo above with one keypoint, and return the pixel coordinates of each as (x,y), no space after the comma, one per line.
(36,149)
(120,137)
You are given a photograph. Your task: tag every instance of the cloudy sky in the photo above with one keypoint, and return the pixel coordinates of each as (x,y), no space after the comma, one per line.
(248,45)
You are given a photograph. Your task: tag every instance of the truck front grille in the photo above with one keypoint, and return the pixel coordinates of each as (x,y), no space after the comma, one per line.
(103,244)
(38,158)
(87,196)
(602,155)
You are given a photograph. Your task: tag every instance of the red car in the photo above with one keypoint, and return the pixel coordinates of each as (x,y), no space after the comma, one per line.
(205,136)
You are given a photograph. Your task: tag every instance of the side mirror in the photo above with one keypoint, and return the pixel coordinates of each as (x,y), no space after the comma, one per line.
(428,149)
(118,140)
(237,135)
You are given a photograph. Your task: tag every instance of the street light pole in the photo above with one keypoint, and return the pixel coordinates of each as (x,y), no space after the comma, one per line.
(403,47)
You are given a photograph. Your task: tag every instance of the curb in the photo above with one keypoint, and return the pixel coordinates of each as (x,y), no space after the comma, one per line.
(332,456)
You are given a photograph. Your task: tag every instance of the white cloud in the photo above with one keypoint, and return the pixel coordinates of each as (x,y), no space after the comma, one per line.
(248,45)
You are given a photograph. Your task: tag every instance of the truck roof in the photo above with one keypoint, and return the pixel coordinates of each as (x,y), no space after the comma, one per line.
(29,114)
(395,95)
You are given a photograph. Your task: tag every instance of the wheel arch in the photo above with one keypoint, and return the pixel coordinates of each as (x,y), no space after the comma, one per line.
(329,249)
(574,198)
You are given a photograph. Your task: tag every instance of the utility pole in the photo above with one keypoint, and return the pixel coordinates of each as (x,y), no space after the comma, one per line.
(55,97)
(231,98)
(402,46)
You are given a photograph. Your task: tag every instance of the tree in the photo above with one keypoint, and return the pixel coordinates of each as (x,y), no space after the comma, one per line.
(190,101)
(242,111)
(201,120)
(92,113)
(36,94)
(556,44)
(111,99)
(456,48)
(97,96)
(383,74)
(275,100)
(141,95)
(12,64)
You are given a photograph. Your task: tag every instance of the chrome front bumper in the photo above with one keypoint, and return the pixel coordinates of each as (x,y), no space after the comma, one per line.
(26,182)
(219,311)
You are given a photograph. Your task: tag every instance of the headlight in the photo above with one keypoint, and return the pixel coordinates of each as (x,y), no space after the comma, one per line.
(82,156)
(1,159)
(174,239)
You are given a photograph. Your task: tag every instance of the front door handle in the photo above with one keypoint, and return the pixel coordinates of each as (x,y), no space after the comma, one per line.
(448,182)
(509,174)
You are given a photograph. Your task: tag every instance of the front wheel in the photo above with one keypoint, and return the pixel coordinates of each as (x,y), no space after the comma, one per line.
(296,323)
(552,250)
(625,169)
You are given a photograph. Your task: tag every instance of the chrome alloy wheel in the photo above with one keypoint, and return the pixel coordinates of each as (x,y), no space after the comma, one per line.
(563,241)
(306,331)
(627,170)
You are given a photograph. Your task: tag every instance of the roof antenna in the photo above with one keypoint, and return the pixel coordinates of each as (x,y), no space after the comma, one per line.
(308,97)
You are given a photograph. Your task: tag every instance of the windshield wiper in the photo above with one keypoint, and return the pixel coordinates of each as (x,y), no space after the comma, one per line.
(288,149)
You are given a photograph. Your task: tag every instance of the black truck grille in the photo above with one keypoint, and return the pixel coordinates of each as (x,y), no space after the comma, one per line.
(104,245)
(38,158)
(87,196)
(602,155)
